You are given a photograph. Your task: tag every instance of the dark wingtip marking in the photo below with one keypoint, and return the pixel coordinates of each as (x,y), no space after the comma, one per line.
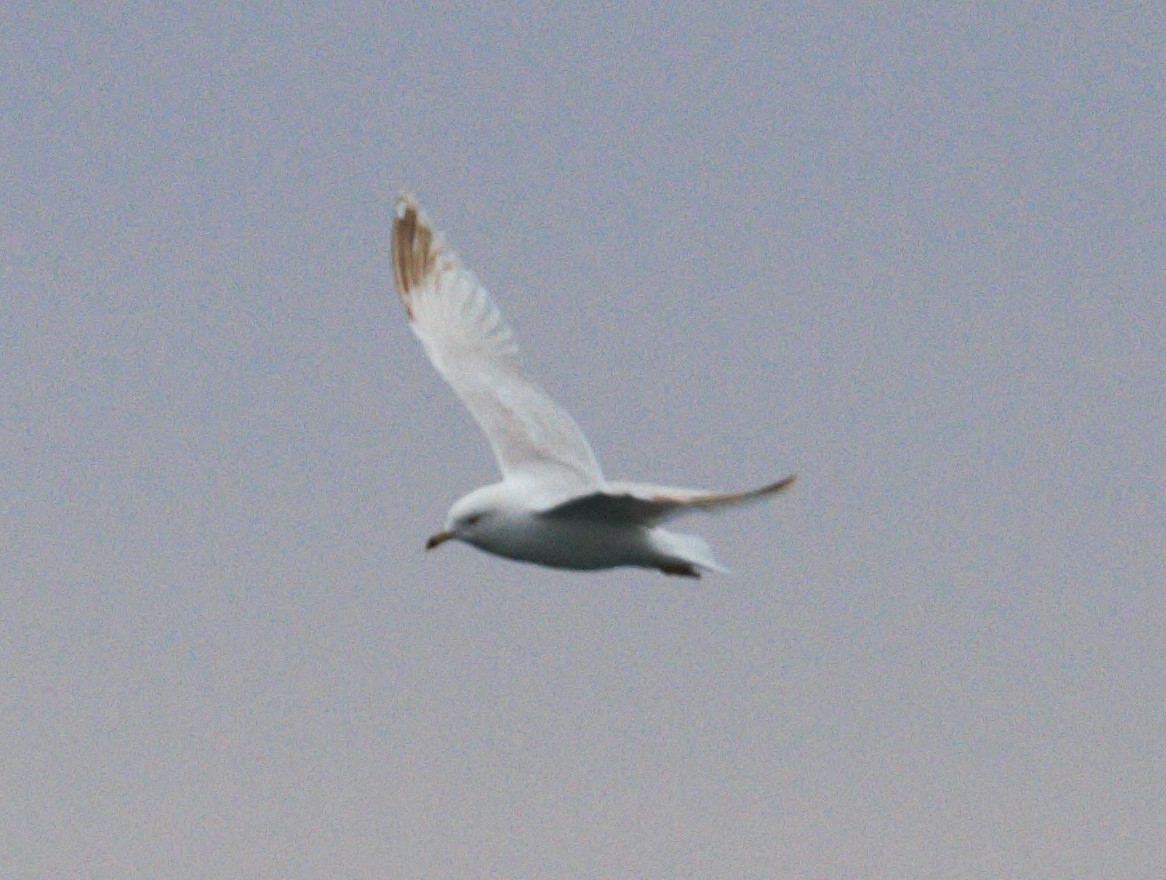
(780,486)
(413,252)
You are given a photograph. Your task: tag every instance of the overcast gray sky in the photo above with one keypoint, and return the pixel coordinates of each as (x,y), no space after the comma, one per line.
(916,256)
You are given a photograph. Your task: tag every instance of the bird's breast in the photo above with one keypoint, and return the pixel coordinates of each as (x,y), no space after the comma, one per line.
(577,544)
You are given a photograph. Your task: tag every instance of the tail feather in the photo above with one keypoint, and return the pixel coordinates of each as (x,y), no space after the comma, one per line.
(685,554)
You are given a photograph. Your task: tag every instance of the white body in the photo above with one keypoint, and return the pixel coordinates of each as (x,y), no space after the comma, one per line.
(587,545)
(512,530)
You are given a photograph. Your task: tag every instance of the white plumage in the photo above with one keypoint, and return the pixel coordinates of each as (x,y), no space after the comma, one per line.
(553,505)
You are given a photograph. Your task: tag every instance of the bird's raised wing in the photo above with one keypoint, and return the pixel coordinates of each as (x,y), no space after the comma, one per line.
(468,341)
(645,504)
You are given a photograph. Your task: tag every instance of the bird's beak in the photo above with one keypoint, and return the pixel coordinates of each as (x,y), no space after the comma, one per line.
(440,538)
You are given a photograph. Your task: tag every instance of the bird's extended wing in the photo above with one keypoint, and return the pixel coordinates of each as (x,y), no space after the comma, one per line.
(468,341)
(645,504)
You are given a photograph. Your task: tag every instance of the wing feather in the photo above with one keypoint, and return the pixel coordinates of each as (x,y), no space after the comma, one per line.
(468,341)
(646,504)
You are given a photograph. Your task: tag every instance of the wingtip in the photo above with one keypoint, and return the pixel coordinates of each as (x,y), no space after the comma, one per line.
(414,247)
(406,202)
(780,486)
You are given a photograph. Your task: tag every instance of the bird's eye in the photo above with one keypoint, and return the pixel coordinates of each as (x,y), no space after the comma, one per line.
(473,519)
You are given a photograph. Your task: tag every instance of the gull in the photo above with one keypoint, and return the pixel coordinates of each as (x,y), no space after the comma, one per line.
(553,506)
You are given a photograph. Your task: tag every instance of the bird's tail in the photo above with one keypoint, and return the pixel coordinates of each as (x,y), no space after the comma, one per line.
(685,554)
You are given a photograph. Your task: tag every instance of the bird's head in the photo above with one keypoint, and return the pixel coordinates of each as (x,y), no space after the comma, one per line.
(470,517)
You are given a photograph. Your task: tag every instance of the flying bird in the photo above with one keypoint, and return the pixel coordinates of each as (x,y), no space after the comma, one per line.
(553,506)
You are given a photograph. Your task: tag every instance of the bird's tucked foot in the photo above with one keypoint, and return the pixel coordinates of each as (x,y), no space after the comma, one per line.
(680,569)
